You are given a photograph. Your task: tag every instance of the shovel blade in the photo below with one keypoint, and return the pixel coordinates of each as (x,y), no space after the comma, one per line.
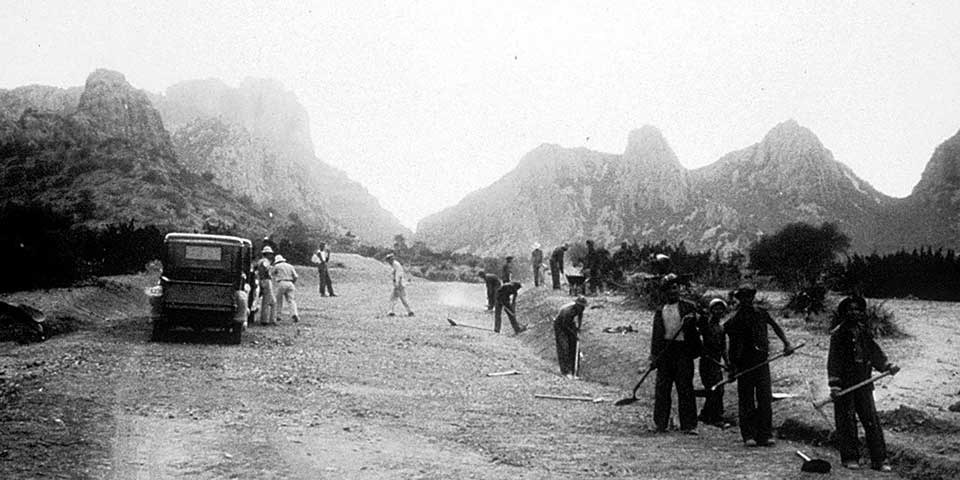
(625,401)
(816,466)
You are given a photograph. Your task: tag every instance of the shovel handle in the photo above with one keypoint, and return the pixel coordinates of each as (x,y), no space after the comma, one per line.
(818,405)
(804,457)
(765,362)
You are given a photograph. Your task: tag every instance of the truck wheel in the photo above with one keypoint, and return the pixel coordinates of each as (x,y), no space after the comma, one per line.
(236,332)
(159,331)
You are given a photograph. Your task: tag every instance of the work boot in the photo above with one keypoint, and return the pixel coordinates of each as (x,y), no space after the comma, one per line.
(410,314)
(851,465)
(391,314)
(690,431)
(296,319)
(882,467)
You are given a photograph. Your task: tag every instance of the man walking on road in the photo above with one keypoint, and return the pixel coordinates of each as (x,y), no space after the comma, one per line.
(556,265)
(566,329)
(674,345)
(399,287)
(285,276)
(750,346)
(321,258)
(493,283)
(536,261)
(507,300)
(268,299)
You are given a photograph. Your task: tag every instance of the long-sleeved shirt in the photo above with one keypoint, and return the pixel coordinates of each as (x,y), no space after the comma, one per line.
(569,319)
(507,293)
(748,334)
(853,352)
(556,259)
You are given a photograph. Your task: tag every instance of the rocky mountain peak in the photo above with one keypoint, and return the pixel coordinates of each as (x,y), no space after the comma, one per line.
(792,137)
(941,177)
(115,109)
(647,146)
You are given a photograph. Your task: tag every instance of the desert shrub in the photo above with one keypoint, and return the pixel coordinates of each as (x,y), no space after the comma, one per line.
(883,321)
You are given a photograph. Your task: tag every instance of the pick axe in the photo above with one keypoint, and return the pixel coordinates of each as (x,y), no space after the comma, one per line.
(455,324)
(819,404)
(748,370)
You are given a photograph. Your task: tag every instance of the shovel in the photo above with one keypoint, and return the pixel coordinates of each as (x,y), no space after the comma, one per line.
(813,465)
(653,365)
(748,370)
(455,324)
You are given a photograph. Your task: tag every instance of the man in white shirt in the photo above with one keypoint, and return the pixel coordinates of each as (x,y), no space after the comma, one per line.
(285,277)
(321,258)
(399,287)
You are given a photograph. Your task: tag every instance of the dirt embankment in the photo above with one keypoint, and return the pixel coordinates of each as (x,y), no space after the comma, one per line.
(351,393)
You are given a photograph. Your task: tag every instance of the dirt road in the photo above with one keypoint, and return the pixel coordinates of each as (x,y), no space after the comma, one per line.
(346,393)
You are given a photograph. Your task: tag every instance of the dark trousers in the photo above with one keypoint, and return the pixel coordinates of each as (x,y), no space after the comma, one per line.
(491,297)
(710,375)
(755,404)
(566,349)
(537,276)
(674,367)
(555,275)
(846,409)
(324,281)
(511,315)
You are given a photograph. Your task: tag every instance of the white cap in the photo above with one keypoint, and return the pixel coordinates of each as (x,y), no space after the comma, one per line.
(266,249)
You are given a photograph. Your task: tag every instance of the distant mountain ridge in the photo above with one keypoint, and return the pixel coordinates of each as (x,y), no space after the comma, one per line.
(249,145)
(255,140)
(645,194)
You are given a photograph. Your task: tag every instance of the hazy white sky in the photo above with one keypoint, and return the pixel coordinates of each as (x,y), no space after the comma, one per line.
(426,101)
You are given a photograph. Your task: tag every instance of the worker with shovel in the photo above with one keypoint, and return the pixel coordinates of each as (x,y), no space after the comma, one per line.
(674,344)
(748,351)
(853,353)
(493,283)
(506,298)
(712,361)
(566,328)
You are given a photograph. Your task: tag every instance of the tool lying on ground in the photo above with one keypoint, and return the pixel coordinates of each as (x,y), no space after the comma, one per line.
(502,374)
(653,365)
(818,405)
(564,397)
(813,465)
(455,324)
(748,370)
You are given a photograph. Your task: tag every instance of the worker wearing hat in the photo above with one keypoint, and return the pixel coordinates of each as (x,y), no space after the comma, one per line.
(268,300)
(285,279)
(674,344)
(712,359)
(853,354)
(536,261)
(750,346)
(556,265)
(566,329)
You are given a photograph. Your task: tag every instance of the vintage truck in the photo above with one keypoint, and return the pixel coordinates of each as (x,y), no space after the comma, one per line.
(202,284)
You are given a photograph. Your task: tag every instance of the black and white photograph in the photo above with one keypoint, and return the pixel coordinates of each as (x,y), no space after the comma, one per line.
(533,239)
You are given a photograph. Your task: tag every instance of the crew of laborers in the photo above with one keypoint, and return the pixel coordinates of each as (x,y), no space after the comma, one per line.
(536,262)
(285,279)
(566,329)
(681,334)
(853,354)
(321,258)
(556,265)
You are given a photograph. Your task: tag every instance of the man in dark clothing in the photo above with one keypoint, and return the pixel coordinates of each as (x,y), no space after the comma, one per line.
(714,355)
(674,345)
(566,328)
(591,269)
(507,299)
(556,265)
(750,346)
(507,269)
(536,261)
(853,352)
(321,258)
(493,283)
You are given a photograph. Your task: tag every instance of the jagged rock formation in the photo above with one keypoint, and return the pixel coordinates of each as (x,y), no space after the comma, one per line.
(105,159)
(255,140)
(645,194)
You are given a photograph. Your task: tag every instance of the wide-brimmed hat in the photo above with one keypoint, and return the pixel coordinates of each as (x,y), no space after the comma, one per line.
(389,256)
(536,245)
(717,301)
(266,249)
(279,259)
(849,303)
(581,300)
